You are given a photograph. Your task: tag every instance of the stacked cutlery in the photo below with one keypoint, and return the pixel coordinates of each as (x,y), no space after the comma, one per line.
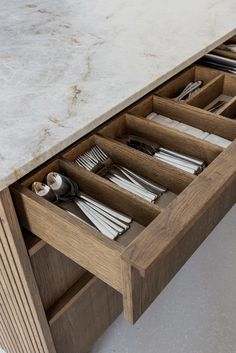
(188,90)
(95,159)
(178,160)
(61,188)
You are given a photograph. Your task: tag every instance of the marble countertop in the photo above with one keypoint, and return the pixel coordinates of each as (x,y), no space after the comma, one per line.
(66,67)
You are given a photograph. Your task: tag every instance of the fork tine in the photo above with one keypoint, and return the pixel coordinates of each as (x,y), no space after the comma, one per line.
(86,162)
(81,164)
(99,156)
(95,155)
(101,151)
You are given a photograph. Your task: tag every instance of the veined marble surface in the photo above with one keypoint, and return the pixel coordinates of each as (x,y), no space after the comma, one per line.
(68,66)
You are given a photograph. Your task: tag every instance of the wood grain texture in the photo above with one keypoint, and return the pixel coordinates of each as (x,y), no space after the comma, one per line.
(146,167)
(193,116)
(54,273)
(7,343)
(196,117)
(19,273)
(13,307)
(97,305)
(7,329)
(138,267)
(175,85)
(140,209)
(207,93)
(110,194)
(68,298)
(75,239)
(223,84)
(173,139)
(229,110)
(32,242)
(173,178)
(153,259)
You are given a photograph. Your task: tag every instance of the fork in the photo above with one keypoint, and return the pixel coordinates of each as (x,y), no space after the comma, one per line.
(96,158)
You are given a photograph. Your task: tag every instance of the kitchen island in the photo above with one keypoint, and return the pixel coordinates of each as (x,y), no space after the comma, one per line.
(65,70)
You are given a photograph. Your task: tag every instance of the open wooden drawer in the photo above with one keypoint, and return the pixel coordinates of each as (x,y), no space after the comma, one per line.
(164,234)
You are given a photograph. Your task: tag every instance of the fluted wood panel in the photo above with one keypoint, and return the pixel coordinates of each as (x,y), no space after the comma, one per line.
(24,327)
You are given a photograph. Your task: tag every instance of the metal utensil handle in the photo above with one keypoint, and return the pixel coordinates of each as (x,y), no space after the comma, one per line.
(178,161)
(128,187)
(130,177)
(102,227)
(155,187)
(124,226)
(186,169)
(194,160)
(143,185)
(137,187)
(116,214)
(106,220)
(190,88)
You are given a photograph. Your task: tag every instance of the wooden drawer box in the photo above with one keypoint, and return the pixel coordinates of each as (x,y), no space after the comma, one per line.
(163,234)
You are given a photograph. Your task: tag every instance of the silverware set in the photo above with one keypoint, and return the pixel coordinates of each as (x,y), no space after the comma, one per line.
(178,160)
(61,188)
(188,90)
(96,158)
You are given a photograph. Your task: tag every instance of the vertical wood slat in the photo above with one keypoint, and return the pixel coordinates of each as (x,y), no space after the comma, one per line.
(9,319)
(22,280)
(9,343)
(18,295)
(3,340)
(13,306)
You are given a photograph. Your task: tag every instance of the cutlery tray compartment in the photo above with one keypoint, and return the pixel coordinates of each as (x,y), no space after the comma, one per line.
(120,155)
(216,95)
(136,128)
(229,109)
(220,91)
(188,120)
(73,237)
(164,234)
(175,86)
